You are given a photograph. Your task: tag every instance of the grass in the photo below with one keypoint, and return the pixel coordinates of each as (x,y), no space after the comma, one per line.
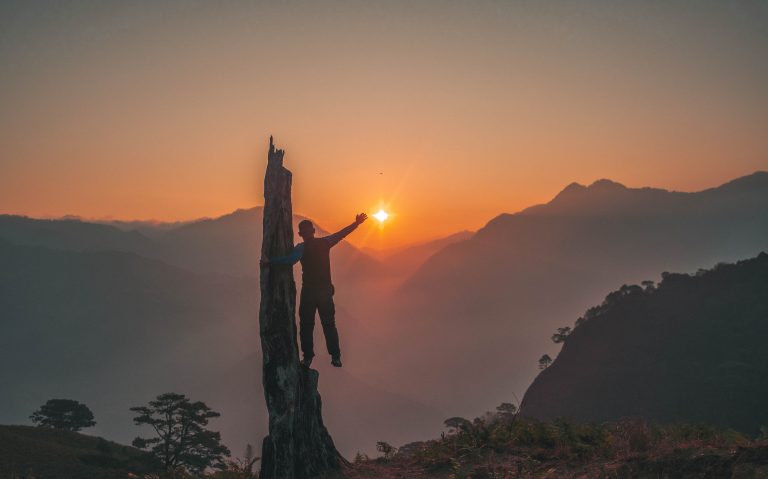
(41,453)
(515,447)
(492,447)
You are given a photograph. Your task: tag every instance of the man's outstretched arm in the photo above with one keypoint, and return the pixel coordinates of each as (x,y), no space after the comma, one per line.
(291,258)
(341,234)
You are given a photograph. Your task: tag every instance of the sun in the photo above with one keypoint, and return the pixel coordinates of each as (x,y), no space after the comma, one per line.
(381,215)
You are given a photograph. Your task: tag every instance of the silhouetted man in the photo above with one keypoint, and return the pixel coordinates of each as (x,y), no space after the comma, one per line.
(316,287)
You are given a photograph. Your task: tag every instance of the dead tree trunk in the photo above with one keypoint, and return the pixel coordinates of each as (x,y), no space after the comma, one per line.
(298,445)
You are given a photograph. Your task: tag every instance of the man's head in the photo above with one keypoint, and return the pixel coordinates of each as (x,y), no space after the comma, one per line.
(306,229)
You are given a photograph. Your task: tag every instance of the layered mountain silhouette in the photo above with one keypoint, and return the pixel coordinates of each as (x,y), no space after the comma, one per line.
(691,349)
(114,330)
(225,245)
(405,260)
(88,313)
(472,322)
(112,316)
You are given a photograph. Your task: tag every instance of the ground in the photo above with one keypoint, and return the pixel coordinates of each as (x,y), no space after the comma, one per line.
(536,450)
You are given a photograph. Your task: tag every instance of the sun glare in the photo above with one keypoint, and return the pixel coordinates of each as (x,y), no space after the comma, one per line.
(381,215)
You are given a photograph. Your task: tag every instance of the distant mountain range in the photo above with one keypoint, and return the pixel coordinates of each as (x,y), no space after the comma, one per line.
(229,244)
(114,314)
(113,329)
(472,322)
(115,317)
(691,349)
(405,260)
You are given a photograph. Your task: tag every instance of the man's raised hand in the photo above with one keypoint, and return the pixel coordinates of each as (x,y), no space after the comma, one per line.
(360,218)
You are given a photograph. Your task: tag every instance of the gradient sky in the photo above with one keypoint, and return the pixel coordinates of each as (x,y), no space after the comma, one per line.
(162,110)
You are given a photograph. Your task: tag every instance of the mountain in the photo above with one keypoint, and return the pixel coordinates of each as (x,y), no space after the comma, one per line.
(114,329)
(72,235)
(396,265)
(52,454)
(472,322)
(405,260)
(691,349)
(420,250)
(229,244)
(113,318)
(149,228)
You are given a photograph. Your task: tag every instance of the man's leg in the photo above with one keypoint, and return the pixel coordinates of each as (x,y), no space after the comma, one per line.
(327,312)
(307,307)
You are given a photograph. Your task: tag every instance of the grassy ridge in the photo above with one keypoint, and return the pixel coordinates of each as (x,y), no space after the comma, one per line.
(42,453)
(497,448)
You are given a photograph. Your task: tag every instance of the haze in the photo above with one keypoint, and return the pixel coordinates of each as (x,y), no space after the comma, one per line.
(446,112)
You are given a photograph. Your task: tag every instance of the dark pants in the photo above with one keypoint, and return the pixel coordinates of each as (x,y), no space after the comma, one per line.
(320,299)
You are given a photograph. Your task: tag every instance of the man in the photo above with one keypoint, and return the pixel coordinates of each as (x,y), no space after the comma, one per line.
(316,287)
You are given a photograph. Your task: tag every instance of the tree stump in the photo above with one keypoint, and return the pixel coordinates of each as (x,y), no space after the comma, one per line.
(298,445)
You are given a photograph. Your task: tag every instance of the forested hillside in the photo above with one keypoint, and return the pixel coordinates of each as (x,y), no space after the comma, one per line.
(690,349)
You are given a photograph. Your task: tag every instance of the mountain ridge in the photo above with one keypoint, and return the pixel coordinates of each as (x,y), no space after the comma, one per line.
(502,292)
(227,244)
(114,329)
(688,349)
(494,297)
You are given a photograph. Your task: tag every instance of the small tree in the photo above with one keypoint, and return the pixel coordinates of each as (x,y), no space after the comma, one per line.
(456,424)
(65,414)
(561,334)
(545,361)
(182,439)
(387,450)
(506,411)
(239,468)
(249,460)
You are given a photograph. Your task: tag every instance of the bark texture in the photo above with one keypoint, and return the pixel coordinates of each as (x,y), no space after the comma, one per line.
(298,445)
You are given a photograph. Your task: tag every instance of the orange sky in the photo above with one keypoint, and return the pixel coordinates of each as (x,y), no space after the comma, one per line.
(468,109)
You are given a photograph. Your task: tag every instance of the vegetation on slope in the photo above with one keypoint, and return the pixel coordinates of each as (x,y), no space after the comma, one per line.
(495,448)
(690,349)
(45,453)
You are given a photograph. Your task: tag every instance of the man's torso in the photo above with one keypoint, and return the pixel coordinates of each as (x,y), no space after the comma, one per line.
(316,264)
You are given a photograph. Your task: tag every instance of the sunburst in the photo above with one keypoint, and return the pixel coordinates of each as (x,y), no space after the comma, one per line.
(381,215)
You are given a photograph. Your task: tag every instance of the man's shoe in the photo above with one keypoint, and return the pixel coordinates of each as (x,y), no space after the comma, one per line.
(336,362)
(307,361)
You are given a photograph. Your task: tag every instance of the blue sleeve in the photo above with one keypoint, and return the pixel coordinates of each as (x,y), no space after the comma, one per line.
(339,235)
(292,258)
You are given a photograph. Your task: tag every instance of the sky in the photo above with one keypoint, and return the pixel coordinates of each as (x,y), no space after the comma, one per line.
(447,113)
